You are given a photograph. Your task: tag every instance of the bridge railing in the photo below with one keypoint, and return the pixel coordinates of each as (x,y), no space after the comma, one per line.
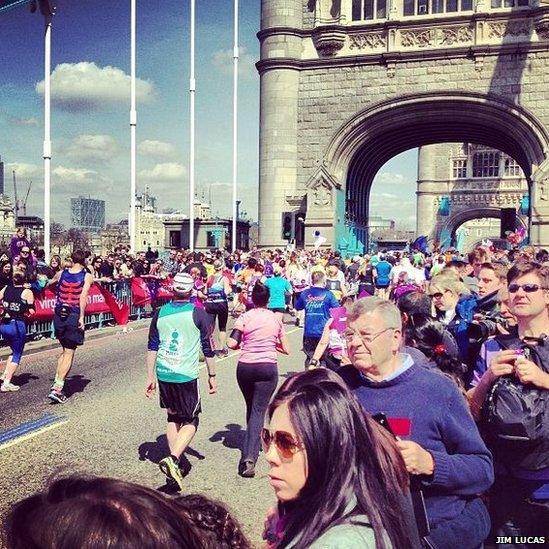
(121,289)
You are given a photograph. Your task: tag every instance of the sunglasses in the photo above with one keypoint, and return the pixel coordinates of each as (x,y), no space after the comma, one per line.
(25,251)
(528,288)
(286,445)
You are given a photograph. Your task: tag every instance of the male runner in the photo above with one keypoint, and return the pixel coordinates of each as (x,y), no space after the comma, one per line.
(73,285)
(177,332)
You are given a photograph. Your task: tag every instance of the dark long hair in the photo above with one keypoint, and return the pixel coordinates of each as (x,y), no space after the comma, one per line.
(348,459)
(88,512)
(437,344)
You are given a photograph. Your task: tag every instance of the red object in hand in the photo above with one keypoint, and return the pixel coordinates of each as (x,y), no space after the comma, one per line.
(401,426)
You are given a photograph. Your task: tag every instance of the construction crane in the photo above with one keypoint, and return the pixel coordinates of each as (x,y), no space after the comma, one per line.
(16,201)
(26,198)
(20,206)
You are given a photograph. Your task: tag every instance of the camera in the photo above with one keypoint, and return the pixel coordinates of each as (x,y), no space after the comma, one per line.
(480,330)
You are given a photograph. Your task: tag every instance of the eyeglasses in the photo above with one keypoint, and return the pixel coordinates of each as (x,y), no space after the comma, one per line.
(528,288)
(365,338)
(25,251)
(286,445)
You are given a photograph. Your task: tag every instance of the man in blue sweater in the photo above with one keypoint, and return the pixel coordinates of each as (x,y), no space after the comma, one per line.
(442,447)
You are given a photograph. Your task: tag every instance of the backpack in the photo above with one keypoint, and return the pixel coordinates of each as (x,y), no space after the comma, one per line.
(515,417)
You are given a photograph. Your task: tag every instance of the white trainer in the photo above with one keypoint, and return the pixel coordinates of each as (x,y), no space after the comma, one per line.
(9,387)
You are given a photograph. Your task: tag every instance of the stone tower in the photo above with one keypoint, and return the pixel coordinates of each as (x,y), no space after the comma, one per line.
(348,84)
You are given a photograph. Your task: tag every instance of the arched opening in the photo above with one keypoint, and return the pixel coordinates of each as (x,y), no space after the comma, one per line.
(382,131)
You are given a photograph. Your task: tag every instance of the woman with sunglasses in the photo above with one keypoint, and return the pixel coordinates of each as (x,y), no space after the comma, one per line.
(260,335)
(339,479)
(454,307)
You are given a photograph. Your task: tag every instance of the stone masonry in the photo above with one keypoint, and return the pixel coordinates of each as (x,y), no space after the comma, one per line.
(329,86)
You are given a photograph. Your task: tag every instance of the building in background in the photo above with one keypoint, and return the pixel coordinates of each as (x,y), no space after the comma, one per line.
(88,214)
(34,226)
(462,182)
(149,224)
(7,220)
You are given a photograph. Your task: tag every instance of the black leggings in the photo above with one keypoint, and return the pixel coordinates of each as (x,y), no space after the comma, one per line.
(258,383)
(221,310)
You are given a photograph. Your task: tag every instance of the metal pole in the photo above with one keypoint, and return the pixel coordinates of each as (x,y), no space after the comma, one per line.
(133,128)
(47,135)
(235,123)
(192,87)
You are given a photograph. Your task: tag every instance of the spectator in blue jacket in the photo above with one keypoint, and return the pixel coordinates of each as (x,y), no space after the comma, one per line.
(439,441)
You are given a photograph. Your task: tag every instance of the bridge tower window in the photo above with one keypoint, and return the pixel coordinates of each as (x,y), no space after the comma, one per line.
(486,164)
(424,7)
(509,3)
(511,168)
(369,9)
(459,168)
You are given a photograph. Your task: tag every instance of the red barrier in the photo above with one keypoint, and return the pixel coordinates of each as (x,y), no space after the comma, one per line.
(97,303)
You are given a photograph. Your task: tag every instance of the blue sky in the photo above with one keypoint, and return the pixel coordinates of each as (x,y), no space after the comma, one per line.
(90,120)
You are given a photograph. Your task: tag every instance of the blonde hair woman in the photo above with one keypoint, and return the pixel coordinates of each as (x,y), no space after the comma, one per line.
(454,306)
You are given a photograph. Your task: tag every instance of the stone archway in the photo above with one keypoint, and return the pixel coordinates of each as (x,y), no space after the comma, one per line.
(373,136)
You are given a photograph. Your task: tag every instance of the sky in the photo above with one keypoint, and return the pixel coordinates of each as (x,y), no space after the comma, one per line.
(90,108)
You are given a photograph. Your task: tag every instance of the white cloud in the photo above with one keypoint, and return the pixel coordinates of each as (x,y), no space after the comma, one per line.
(22,171)
(100,148)
(156,149)
(165,172)
(85,86)
(223,59)
(389,178)
(24,122)
(75,181)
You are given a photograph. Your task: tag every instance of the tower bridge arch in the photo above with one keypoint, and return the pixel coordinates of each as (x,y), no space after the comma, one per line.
(343,91)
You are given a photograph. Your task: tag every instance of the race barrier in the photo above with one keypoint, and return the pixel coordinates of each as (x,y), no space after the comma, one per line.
(108,302)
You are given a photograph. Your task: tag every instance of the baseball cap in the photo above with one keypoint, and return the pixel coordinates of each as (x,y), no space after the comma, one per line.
(183,283)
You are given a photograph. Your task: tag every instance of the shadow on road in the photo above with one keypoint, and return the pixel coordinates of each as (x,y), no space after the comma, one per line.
(76,384)
(291,373)
(23,379)
(232,437)
(158,449)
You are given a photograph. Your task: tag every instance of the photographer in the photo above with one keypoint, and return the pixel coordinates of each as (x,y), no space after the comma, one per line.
(520,498)
(487,319)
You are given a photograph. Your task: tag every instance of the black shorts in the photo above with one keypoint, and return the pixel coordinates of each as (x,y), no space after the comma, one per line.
(67,330)
(309,345)
(181,398)
(219,309)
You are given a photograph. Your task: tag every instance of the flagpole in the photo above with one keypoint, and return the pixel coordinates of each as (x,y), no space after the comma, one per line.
(235,124)
(192,88)
(47,135)
(133,127)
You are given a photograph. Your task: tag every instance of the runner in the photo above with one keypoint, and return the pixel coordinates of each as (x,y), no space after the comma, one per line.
(178,331)
(17,302)
(259,333)
(317,302)
(278,287)
(218,288)
(73,285)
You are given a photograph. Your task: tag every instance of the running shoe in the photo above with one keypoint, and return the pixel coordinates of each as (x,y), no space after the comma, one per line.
(172,471)
(247,469)
(57,396)
(9,387)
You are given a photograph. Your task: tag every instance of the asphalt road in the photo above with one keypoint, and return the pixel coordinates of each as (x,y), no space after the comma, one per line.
(109,428)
